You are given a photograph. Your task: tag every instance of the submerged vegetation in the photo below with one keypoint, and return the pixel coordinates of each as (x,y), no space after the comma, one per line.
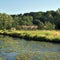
(38,56)
(21,49)
(37,35)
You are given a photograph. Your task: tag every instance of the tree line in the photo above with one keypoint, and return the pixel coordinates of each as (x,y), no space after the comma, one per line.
(48,20)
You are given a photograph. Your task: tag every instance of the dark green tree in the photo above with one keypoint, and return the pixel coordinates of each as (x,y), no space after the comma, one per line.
(39,24)
(49,26)
(27,20)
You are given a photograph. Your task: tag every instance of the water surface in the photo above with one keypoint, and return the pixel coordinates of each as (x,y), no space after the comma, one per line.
(10,47)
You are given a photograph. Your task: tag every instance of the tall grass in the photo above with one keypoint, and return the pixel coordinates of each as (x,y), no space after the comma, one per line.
(38,35)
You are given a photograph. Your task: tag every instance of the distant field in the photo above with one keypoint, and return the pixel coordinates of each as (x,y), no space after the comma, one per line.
(47,34)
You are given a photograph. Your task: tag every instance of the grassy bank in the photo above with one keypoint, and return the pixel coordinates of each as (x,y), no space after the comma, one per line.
(36,35)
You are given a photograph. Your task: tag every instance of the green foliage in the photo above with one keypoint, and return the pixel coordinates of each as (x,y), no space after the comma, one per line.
(39,23)
(44,20)
(27,20)
(5,21)
(49,26)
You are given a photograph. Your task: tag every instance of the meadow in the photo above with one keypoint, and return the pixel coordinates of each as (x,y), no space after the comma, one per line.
(37,35)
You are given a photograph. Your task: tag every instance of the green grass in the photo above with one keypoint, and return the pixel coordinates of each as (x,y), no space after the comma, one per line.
(35,34)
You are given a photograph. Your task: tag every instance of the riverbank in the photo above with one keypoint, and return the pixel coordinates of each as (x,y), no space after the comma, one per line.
(35,35)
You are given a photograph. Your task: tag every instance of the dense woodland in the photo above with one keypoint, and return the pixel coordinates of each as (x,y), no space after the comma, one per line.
(48,20)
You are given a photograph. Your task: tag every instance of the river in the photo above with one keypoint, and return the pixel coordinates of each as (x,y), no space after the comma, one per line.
(11,47)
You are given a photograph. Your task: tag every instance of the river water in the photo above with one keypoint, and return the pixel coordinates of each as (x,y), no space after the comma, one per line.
(11,47)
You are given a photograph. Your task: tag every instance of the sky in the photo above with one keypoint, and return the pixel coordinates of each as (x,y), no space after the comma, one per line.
(26,6)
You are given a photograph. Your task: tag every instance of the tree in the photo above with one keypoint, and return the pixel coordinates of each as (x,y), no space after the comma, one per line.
(58,11)
(27,20)
(16,21)
(39,23)
(49,26)
(5,21)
